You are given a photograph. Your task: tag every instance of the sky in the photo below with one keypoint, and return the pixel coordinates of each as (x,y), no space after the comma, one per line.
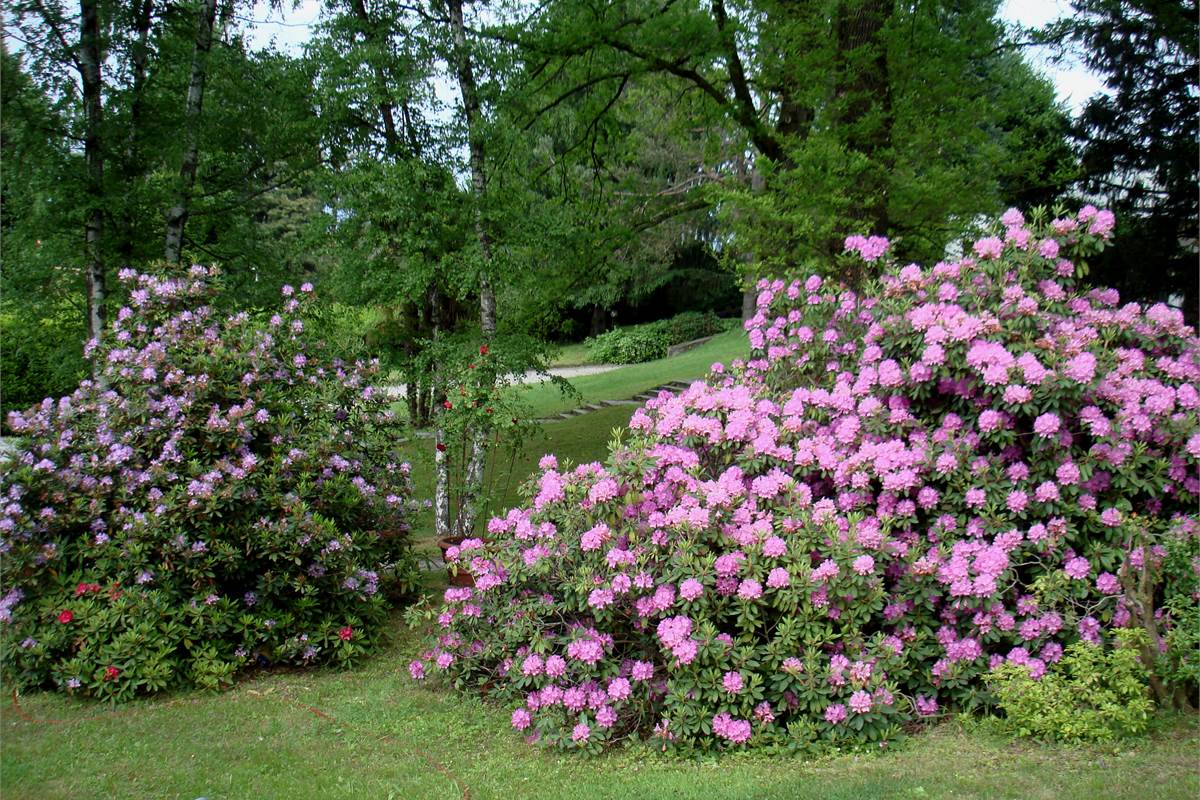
(1073,83)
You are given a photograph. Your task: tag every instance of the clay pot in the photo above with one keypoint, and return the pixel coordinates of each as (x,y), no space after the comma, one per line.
(458,576)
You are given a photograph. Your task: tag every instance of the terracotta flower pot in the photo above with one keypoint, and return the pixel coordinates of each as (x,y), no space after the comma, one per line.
(459,576)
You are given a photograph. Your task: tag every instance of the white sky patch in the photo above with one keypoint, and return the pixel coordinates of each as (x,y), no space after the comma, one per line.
(1073,82)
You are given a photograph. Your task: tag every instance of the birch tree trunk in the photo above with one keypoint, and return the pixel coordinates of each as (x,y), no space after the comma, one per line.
(90,60)
(177,214)
(473,478)
(441,492)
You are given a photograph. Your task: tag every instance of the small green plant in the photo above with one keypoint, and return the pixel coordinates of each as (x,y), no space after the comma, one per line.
(1095,694)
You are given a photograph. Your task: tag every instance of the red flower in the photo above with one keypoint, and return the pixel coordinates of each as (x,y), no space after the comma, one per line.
(483,351)
(111,673)
(441,447)
(345,633)
(66,616)
(446,404)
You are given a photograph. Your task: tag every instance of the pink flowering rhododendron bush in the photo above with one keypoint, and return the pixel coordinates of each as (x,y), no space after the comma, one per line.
(217,502)
(965,466)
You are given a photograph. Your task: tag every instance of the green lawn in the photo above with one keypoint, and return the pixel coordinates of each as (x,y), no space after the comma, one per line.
(372,733)
(571,355)
(546,399)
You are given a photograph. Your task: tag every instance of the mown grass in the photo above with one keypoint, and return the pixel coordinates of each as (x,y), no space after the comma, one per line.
(373,733)
(571,355)
(546,399)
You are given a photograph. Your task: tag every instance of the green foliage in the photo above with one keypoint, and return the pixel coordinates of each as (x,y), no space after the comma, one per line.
(1138,139)
(1179,664)
(40,357)
(627,346)
(1095,694)
(639,343)
(231,495)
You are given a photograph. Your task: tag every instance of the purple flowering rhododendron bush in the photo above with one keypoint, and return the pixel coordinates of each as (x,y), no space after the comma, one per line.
(966,466)
(225,496)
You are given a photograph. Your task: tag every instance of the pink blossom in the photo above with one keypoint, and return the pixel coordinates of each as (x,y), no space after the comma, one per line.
(989,247)
(1077,568)
(835,713)
(1046,425)
(864,565)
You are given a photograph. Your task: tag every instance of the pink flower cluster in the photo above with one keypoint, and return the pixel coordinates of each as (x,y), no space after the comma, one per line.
(902,471)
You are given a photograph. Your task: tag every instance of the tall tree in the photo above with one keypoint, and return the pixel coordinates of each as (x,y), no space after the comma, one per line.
(863,115)
(1138,140)
(477,150)
(177,213)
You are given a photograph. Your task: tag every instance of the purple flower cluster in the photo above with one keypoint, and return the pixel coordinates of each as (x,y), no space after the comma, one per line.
(217,459)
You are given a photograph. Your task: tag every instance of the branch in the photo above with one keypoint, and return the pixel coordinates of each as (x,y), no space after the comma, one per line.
(624,75)
(52,24)
(745,112)
(244,199)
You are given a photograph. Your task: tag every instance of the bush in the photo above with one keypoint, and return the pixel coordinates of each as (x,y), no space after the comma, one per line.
(627,346)
(961,467)
(229,498)
(1094,694)
(40,357)
(690,325)
(648,342)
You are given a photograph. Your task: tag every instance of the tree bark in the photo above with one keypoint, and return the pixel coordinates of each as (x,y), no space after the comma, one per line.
(473,479)
(90,61)
(441,464)
(139,56)
(177,214)
(865,92)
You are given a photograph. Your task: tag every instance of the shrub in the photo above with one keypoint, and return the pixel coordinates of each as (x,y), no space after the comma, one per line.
(40,356)
(1093,694)
(228,498)
(634,345)
(690,325)
(961,467)
(627,346)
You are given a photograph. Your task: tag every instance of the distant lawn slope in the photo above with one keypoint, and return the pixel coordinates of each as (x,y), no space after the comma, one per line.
(545,399)
(580,439)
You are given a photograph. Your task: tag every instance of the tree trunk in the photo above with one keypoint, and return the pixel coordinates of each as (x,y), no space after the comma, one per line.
(441,464)
(177,214)
(473,479)
(387,112)
(132,166)
(90,60)
(865,93)
(758,185)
